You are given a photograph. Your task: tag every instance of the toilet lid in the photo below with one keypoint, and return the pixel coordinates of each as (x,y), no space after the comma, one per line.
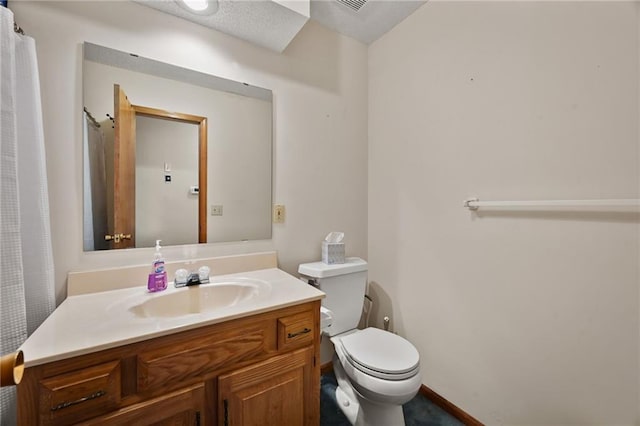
(381,351)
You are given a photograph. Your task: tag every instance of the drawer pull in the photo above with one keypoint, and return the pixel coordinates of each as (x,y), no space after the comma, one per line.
(79,401)
(292,335)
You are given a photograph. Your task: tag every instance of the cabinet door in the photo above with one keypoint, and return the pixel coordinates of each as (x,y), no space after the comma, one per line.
(279,391)
(184,407)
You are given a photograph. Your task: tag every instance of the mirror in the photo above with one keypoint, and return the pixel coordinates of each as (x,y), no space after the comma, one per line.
(172,154)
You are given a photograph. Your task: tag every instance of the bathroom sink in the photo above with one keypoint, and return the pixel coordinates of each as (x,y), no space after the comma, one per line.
(202,298)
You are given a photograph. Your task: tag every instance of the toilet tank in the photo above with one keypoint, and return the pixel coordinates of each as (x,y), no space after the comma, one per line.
(344,285)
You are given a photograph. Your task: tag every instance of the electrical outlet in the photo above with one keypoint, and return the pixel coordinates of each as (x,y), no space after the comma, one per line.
(278,213)
(216,210)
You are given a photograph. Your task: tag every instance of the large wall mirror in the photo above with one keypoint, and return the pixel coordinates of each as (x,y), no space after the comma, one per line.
(172,154)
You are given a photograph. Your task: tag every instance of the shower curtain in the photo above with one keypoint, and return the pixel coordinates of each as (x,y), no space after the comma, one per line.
(26,259)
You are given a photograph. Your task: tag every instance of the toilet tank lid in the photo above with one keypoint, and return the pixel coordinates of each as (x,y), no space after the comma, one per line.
(322,270)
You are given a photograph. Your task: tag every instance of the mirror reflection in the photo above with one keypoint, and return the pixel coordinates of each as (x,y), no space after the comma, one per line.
(172,154)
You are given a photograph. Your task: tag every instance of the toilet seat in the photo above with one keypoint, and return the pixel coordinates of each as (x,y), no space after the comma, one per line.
(379,390)
(380,354)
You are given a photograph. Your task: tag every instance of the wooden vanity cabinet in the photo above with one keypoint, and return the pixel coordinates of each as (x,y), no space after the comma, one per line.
(259,370)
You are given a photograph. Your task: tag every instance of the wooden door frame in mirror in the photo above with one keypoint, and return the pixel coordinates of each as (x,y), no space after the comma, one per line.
(202,157)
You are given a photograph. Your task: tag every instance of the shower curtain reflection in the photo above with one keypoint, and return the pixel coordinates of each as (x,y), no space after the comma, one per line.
(95,185)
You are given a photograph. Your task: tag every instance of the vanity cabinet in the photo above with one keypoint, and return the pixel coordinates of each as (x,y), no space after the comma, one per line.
(261,369)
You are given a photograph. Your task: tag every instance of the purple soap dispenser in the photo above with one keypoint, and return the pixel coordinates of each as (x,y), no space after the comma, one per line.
(158,277)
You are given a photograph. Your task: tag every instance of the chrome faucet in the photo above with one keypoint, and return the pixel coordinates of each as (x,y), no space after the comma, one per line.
(184,278)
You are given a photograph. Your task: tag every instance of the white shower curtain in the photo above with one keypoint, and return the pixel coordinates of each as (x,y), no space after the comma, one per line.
(27,294)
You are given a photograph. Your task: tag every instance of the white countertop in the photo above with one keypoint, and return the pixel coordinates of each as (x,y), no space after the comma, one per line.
(92,322)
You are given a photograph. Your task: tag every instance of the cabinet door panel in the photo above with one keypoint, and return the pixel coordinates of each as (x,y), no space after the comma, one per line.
(276,401)
(269,393)
(184,407)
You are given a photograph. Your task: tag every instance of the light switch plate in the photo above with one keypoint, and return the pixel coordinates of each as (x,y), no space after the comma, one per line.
(278,213)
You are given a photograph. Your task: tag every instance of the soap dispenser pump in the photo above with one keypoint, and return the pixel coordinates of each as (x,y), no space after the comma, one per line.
(158,277)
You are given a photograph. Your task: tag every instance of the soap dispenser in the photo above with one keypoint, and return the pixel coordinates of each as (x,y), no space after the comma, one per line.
(158,277)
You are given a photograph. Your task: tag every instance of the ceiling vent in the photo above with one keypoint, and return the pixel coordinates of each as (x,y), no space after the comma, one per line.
(355,5)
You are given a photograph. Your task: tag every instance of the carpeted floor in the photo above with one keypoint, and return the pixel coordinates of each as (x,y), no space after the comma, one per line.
(418,412)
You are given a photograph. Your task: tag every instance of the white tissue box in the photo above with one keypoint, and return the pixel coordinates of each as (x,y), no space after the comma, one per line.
(332,253)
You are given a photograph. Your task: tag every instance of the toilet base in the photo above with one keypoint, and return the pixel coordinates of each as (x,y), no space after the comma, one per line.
(349,406)
(361,411)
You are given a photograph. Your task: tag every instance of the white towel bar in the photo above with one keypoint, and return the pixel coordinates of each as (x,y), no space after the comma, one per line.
(474,203)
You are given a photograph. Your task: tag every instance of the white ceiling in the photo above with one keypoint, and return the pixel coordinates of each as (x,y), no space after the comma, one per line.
(255,21)
(368,24)
(265,23)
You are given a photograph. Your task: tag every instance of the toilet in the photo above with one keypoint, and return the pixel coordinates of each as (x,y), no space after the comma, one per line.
(377,371)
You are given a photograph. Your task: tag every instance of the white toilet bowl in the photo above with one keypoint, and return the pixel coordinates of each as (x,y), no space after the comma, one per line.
(377,371)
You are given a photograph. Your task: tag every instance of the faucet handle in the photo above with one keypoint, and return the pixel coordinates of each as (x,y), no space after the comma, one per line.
(181,278)
(203,274)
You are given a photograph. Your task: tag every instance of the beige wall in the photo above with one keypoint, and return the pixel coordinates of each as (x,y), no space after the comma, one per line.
(320,123)
(520,317)
(638,228)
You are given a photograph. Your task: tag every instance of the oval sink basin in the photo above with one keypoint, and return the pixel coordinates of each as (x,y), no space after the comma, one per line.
(202,298)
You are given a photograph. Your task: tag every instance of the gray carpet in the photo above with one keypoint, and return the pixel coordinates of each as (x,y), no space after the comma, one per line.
(418,412)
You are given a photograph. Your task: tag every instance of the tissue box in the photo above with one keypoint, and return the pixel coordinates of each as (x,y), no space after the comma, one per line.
(332,253)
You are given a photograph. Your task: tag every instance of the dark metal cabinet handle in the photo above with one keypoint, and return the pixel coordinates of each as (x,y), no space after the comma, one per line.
(292,335)
(79,401)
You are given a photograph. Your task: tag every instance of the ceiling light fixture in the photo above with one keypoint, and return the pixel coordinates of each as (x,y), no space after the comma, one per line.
(199,7)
